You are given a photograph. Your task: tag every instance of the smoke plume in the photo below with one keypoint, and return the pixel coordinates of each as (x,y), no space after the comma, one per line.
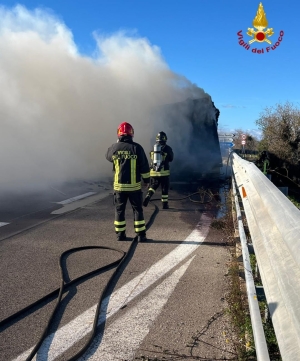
(60,109)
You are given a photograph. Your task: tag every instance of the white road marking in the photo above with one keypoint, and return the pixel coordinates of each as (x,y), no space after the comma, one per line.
(82,202)
(74,199)
(3,224)
(121,339)
(57,343)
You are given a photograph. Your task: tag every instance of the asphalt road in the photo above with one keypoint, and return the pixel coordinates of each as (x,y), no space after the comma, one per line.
(20,210)
(168,299)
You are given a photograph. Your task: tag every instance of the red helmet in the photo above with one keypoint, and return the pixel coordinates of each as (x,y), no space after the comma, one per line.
(125,129)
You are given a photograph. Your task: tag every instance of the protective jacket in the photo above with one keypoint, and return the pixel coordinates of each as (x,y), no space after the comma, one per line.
(130,165)
(167,157)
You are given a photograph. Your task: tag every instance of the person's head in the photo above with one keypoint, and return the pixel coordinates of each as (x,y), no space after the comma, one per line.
(125,130)
(161,138)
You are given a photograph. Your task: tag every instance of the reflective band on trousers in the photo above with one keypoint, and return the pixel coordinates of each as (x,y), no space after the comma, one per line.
(120,229)
(120,226)
(139,226)
(120,223)
(136,223)
(137,230)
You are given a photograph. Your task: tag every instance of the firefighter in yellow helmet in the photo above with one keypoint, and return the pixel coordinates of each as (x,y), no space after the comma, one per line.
(131,165)
(161,156)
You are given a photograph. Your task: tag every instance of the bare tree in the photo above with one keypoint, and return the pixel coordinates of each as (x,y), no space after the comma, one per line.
(280,126)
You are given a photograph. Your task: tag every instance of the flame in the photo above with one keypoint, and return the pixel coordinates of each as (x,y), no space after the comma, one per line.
(260,20)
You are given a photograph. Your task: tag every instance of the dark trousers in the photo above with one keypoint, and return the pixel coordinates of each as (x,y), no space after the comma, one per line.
(164,182)
(136,201)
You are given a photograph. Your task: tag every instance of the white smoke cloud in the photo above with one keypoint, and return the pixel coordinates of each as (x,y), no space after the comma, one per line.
(60,109)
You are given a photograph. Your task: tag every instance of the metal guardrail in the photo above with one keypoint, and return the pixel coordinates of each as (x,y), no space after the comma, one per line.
(274,225)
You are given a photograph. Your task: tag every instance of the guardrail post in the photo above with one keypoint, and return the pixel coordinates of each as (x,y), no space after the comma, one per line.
(250,248)
(257,274)
(261,297)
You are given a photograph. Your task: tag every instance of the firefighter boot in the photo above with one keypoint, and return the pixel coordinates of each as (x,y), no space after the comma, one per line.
(142,237)
(121,236)
(165,205)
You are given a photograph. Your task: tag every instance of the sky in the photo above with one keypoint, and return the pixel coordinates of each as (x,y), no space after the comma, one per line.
(119,59)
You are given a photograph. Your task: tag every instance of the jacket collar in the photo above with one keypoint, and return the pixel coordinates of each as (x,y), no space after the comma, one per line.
(126,139)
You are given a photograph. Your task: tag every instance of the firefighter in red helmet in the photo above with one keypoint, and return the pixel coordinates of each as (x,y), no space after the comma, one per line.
(130,165)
